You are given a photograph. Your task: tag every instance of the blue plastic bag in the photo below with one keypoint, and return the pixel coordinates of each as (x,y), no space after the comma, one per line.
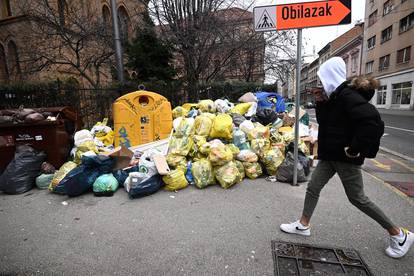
(146,187)
(270,100)
(189,175)
(80,180)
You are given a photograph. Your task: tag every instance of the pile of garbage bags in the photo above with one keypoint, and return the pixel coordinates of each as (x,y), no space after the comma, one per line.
(211,143)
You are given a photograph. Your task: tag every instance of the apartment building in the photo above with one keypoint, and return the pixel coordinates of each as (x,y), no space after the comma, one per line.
(387,51)
(349,47)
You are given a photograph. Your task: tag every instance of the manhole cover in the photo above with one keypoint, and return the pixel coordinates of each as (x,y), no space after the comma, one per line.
(301,259)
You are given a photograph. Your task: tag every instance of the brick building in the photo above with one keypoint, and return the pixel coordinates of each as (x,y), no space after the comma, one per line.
(18,42)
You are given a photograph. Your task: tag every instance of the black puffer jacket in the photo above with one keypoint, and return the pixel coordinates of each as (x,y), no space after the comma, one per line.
(347,119)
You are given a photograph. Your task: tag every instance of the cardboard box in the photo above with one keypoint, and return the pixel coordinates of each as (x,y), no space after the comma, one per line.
(122,156)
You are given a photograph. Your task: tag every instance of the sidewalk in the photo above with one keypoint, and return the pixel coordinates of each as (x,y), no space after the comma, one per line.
(192,232)
(398,112)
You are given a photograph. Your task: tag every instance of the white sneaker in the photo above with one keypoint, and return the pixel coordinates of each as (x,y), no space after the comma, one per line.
(295,228)
(399,246)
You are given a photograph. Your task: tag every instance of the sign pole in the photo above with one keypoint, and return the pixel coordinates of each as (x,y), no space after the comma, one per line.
(297,105)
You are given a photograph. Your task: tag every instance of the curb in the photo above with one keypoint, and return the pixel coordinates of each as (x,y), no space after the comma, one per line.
(403,156)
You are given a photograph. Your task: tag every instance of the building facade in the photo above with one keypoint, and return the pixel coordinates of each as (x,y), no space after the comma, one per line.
(387,51)
(24,42)
(349,47)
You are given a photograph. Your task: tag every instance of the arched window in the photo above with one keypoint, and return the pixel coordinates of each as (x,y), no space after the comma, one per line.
(13,60)
(124,23)
(106,16)
(4,73)
(5,10)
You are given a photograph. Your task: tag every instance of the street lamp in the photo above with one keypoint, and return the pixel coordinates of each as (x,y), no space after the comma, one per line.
(117,41)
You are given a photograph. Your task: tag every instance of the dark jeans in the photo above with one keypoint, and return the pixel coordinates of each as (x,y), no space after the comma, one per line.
(351,178)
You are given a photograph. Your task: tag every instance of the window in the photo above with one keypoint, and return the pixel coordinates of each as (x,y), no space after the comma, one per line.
(371,42)
(384,62)
(401,93)
(354,62)
(382,95)
(13,60)
(5,10)
(4,72)
(124,23)
(62,10)
(369,66)
(386,34)
(106,16)
(372,18)
(404,55)
(388,6)
(407,22)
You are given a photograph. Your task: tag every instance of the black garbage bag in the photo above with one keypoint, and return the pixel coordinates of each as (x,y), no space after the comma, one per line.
(122,175)
(266,116)
(302,158)
(285,170)
(80,180)
(146,187)
(20,175)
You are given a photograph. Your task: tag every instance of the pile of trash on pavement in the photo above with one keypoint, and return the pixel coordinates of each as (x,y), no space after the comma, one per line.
(211,143)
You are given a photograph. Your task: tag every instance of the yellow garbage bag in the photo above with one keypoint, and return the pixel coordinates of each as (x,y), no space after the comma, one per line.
(185,128)
(260,146)
(227,175)
(175,180)
(207,106)
(176,161)
(241,108)
(272,160)
(235,150)
(106,138)
(180,146)
(179,111)
(211,116)
(302,147)
(188,106)
(220,155)
(288,137)
(285,129)
(240,167)
(222,127)
(203,174)
(84,147)
(259,132)
(202,125)
(247,156)
(252,170)
(61,173)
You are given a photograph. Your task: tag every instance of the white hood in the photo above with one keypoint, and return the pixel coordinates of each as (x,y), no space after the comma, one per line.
(332,74)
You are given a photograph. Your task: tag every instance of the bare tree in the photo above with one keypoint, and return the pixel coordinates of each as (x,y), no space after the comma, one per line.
(212,44)
(67,37)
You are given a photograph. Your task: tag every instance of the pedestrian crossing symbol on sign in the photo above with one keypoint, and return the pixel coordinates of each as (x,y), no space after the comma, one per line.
(264,19)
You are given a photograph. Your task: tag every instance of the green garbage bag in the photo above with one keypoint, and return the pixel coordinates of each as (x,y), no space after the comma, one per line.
(43,181)
(105,185)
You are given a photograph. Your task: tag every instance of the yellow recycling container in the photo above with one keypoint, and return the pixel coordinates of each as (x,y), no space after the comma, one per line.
(141,117)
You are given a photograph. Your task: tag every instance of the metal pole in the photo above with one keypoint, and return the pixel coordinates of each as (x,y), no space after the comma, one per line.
(297,105)
(117,41)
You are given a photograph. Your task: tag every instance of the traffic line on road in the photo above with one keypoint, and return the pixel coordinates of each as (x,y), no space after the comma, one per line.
(403,129)
(403,164)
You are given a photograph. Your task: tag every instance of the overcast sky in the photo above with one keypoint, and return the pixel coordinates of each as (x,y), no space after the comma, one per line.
(317,38)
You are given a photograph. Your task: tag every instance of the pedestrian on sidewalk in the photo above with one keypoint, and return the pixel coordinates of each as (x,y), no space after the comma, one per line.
(350,129)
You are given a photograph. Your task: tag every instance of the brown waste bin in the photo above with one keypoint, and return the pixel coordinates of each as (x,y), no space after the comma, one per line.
(52,137)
